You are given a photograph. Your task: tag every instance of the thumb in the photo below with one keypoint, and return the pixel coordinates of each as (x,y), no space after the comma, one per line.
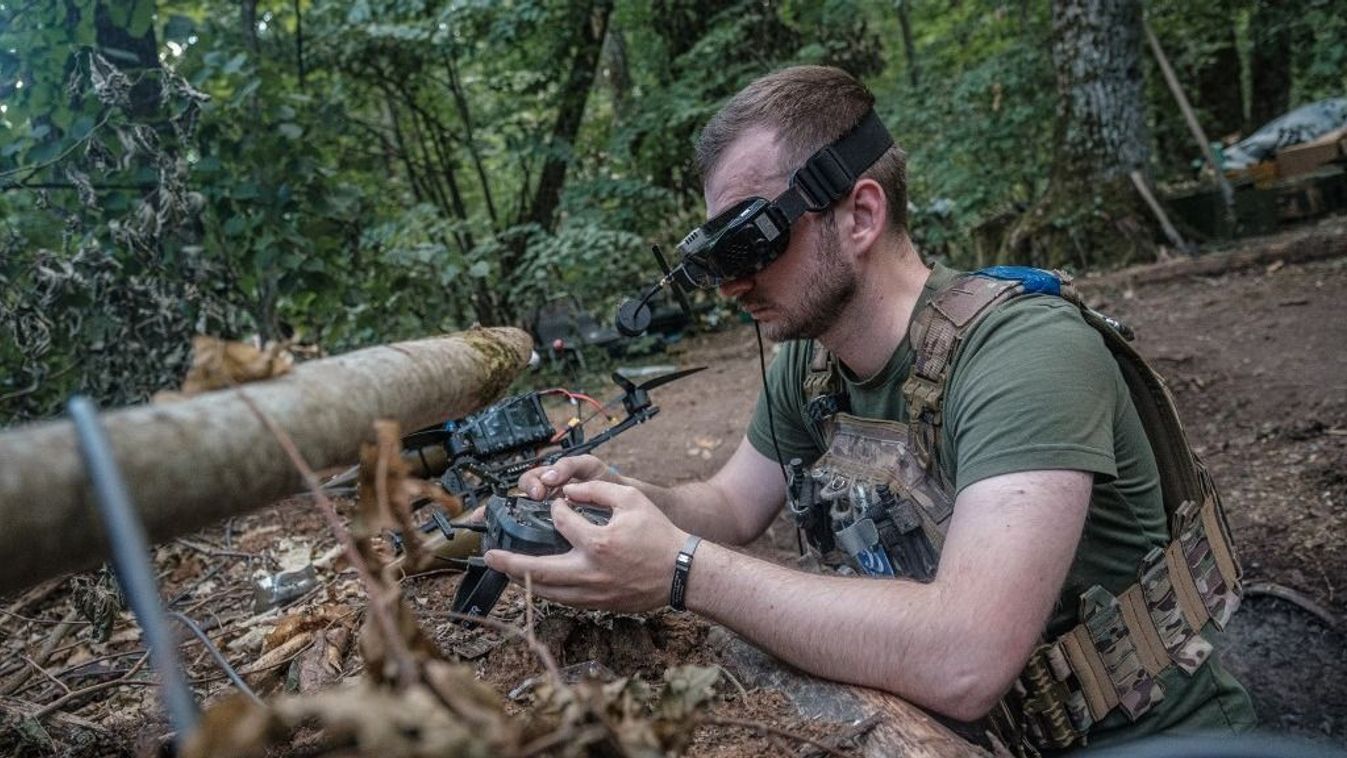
(599,492)
(571,525)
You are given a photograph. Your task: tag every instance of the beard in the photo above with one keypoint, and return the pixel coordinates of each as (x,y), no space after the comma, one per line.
(829,287)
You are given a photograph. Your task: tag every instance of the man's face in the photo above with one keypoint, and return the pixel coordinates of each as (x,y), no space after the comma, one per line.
(801,294)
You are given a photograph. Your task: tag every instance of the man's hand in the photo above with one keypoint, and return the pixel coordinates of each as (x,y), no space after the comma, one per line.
(538,482)
(625,565)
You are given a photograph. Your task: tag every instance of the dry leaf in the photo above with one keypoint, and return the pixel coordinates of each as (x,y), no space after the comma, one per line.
(279,654)
(299,623)
(218,363)
(386,503)
(321,664)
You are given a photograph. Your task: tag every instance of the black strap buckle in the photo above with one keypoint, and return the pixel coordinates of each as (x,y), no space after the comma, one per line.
(822,179)
(824,407)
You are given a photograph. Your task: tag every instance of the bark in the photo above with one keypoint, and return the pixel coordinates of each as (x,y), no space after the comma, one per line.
(1091,214)
(191,463)
(1097,54)
(299,45)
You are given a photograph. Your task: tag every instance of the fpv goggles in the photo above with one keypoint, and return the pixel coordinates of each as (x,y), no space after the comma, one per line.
(752,233)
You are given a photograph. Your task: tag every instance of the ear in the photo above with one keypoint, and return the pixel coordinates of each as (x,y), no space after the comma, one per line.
(869,215)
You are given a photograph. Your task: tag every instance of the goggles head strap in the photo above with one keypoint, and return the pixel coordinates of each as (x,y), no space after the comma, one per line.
(831,172)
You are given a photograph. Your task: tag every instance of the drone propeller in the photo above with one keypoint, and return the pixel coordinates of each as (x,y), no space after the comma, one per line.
(658,381)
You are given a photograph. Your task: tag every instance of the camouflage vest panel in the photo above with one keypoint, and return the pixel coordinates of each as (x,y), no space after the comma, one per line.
(878,500)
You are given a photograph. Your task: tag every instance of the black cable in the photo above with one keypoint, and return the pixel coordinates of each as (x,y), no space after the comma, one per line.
(126,538)
(771,425)
(217,655)
(767,394)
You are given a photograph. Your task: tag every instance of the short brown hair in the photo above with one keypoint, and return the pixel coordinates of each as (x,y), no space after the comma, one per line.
(807,107)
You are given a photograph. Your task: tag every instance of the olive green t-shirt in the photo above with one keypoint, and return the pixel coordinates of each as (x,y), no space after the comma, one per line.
(1034,388)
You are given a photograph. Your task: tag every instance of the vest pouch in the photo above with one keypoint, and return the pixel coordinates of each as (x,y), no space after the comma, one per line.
(886,510)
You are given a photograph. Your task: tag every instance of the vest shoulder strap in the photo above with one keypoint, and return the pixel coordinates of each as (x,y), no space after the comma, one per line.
(935,334)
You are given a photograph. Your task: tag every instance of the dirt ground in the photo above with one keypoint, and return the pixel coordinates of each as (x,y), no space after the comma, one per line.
(1258,364)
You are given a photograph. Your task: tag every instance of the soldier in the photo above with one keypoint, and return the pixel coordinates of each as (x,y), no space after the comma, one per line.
(1077,573)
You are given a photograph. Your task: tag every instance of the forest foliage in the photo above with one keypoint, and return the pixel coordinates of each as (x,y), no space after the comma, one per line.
(360,171)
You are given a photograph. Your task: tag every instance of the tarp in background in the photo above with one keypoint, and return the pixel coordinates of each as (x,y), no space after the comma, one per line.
(1300,125)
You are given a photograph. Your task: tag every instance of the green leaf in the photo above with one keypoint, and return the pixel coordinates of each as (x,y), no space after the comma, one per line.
(479,270)
(235,226)
(179,28)
(235,64)
(246,191)
(359,12)
(291,131)
(142,16)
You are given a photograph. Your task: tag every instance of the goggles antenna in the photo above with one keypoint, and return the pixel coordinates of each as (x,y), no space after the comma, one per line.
(633,316)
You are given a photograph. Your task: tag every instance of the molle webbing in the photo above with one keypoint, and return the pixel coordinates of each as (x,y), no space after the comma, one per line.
(1114,657)
(936,334)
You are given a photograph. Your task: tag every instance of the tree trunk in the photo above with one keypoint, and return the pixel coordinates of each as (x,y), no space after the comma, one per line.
(1091,214)
(120,45)
(588,42)
(1270,61)
(191,463)
(909,46)
(1220,96)
(616,69)
(248,22)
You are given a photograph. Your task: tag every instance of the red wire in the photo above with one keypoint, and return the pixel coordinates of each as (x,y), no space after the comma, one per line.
(573,397)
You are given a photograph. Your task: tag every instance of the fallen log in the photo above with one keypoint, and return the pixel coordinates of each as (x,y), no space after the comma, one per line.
(1329,241)
(899,728)
(191,463)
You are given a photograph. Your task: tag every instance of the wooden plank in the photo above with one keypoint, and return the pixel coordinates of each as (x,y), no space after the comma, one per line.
(1144,190)
(1204,144)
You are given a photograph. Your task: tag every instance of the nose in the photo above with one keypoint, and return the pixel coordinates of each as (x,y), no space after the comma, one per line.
(733,288)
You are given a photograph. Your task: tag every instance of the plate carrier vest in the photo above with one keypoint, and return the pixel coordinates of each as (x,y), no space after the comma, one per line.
(877,498)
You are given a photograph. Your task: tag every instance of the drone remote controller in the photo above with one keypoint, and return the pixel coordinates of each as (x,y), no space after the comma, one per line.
(519,525)
(522,525)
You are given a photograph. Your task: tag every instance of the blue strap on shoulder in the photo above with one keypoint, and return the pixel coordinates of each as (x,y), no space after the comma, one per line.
(1035,281)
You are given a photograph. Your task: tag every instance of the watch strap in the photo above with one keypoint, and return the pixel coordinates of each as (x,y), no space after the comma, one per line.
(682,566)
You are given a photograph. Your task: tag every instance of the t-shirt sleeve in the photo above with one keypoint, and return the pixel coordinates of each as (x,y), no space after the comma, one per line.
(1034,388)
(785,382)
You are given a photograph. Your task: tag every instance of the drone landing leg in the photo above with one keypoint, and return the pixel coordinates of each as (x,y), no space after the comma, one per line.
(478,591)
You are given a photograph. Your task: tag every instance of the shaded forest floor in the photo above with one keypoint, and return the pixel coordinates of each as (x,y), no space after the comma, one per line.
(1258,363)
